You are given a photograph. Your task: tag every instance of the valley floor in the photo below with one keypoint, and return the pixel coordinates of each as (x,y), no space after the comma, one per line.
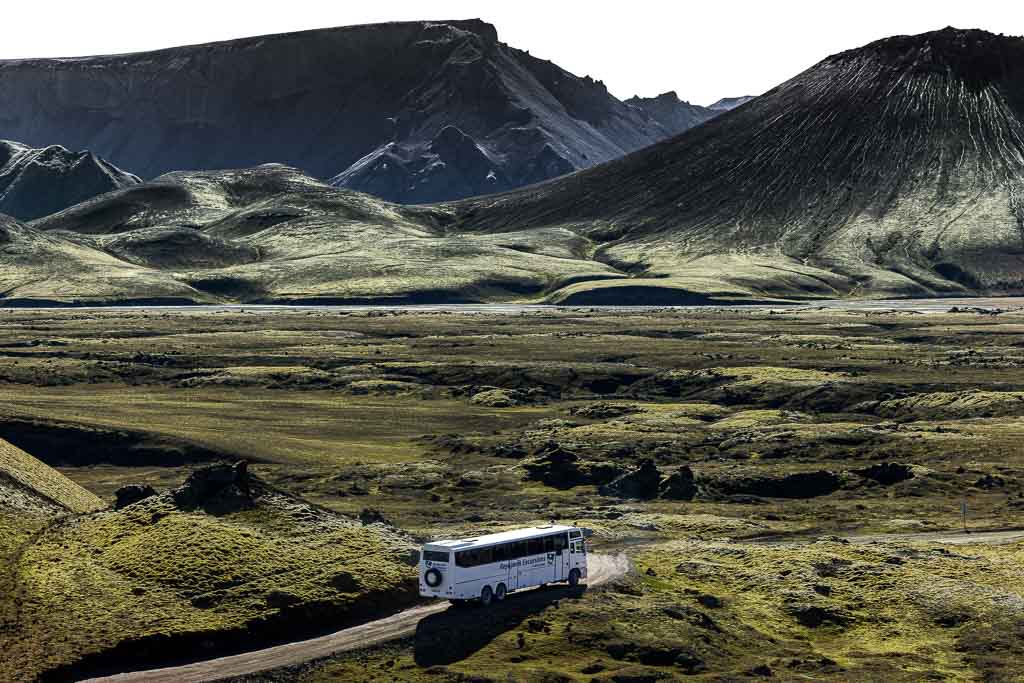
(730,453)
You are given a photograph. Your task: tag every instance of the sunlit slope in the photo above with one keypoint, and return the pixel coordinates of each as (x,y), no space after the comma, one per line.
(272,234)
(28,483)
(40,267)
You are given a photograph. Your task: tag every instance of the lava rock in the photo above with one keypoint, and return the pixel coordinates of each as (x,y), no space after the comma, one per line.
(218,489)
(556,467)
(131,494)
(680,485)
(642,483)
(887,473)
(797,485)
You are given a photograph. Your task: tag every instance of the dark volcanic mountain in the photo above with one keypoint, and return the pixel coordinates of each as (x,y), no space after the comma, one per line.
(675,115)
(38,182)
(893,169)
(896,169)
(411,112)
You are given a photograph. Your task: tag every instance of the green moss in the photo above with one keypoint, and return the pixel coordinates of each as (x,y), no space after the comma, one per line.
(151,569)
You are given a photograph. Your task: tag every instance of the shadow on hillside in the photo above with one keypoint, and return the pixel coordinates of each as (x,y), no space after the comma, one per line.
(458,632)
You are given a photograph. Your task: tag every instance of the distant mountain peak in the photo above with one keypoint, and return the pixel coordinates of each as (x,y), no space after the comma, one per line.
(38,182)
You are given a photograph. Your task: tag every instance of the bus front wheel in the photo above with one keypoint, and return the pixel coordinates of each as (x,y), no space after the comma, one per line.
(486,596)
(574,578)
(500,592)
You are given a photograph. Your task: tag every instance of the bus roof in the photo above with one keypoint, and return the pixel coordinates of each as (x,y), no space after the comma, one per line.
(503,537)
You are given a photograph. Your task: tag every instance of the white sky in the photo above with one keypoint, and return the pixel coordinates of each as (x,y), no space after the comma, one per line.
(703,50)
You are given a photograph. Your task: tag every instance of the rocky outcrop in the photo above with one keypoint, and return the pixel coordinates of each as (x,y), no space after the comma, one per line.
(796,485)
(887,473)
(642,483)
(412,112)
(39,182)
(562,469)
(131,494)
(217,489)
(680,485)
(674,114)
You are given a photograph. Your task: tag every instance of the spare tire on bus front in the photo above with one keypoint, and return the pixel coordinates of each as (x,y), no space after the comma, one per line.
(433,577)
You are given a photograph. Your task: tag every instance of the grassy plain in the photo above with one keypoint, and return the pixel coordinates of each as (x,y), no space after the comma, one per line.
(773,429)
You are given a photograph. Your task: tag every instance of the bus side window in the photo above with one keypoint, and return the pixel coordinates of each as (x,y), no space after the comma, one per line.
(536,546)
(484,556)
(549,544)
(559,544)
(501,552)
(518,550)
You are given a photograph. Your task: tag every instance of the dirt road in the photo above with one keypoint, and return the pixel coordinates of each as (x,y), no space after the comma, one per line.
(603,568)
(1004,537)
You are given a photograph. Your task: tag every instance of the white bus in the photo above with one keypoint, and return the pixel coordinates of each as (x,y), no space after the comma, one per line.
(487,568)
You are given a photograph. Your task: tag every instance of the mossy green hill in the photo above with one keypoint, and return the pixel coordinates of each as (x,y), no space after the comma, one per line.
(223,561)
(28,484)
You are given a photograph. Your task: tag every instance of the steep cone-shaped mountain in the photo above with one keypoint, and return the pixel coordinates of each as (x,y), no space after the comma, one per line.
(38,182)
(895,169)
(374,107)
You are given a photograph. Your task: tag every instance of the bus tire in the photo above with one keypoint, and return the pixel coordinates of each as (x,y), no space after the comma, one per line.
(486,596)
(574,578)
(500,592)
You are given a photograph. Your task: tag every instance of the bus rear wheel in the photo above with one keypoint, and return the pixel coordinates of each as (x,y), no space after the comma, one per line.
(574,578)
(486,596)
(500,592)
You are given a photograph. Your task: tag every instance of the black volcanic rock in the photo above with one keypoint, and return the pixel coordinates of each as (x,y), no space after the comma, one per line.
(38,182)
(675,115)
(412,112)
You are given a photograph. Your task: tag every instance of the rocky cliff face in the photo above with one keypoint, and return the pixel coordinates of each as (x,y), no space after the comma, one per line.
(675,115)
(38,182)
(412,112)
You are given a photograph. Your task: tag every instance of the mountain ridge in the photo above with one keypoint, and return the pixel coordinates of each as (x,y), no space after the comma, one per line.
(877,172)
(413,112)
(38,182)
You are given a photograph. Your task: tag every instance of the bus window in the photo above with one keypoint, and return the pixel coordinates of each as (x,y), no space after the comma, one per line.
(501,552)
(484,556)
(549,544)
(435,556)
(561,543)
(465,559)
(536,546)
(518,550)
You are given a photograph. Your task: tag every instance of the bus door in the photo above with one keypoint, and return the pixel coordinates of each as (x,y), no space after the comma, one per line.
(517,577)
(560,550)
